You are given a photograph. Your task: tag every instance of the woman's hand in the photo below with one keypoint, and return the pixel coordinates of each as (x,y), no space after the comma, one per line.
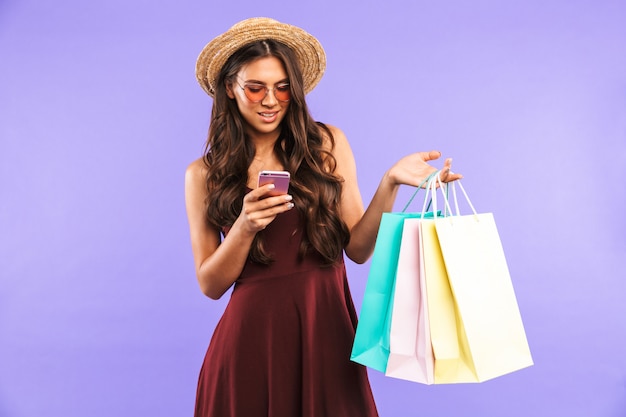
(259,209)
(414,169)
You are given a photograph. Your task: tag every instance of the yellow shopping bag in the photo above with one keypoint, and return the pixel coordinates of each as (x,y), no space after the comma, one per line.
(453,362)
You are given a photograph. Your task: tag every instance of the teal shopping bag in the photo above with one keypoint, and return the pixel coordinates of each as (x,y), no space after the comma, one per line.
(371,342)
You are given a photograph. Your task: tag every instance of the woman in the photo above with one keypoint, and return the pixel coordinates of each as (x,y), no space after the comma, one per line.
(283,345)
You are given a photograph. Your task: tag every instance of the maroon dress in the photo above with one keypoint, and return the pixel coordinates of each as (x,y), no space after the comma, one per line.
(282,347)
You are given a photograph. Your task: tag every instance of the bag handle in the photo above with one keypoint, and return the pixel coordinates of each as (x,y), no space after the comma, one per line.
(422,184)
(433,185)
(432,188)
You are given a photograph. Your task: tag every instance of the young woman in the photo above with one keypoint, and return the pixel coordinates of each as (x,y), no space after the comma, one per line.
(282,346)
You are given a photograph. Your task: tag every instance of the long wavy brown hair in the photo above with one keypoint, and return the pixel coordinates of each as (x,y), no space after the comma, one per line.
(315,188)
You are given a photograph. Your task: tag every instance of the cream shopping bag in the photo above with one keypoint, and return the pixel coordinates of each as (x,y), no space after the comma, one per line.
(492,340)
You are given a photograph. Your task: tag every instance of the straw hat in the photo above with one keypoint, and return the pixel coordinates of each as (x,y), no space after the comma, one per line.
(308,50)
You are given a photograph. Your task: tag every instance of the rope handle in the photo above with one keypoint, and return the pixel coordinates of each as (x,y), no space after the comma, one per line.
(433,186)
(423,183)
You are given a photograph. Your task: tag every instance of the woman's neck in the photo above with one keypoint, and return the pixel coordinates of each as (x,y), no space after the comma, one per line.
(264,156)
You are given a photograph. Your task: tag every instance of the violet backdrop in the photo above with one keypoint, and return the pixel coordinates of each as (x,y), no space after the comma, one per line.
(100,113)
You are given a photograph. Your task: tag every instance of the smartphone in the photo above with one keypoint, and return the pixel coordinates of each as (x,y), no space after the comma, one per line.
(280,179)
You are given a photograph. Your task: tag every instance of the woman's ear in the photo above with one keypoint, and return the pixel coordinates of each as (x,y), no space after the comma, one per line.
(229,89)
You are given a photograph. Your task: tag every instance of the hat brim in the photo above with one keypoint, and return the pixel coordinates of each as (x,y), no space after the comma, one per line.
(307,48)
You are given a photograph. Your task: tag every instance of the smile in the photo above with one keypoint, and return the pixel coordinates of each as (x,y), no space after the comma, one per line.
(269,117)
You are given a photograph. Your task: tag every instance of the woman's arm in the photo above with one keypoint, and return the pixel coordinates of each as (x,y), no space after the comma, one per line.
(218,265)
(363,224)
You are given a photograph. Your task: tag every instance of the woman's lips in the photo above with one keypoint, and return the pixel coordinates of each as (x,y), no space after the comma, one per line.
(268,117)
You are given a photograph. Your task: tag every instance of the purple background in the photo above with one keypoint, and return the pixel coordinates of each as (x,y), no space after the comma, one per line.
(100,313)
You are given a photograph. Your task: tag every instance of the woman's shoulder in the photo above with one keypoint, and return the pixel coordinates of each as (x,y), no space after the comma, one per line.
(340,149)
(338,137)
(196,171)
(197,166)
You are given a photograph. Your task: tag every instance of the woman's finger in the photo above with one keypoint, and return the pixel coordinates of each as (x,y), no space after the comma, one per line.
(430,156)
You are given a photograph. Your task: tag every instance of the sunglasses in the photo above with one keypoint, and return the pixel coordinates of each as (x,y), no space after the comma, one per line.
(257,92)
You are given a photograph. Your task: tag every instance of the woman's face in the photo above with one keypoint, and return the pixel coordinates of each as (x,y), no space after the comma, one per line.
(264,75)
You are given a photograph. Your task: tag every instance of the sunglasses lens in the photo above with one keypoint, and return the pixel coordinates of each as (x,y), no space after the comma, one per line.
(282,92)
(255,92)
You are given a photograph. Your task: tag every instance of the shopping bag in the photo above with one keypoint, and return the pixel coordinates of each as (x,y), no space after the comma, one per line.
(452,359)
(484,294)
(410,350)
(470,293)
(371,341)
